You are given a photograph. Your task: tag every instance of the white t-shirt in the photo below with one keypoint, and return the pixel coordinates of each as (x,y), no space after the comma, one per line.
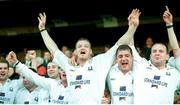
(58,94)
(120,86)
(175,62)
(37,96)
(9,90)
(87,83)
(154,86)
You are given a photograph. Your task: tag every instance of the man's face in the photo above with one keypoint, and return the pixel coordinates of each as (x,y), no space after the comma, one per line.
(52,70)
(47,55)
(27,84)
(30,54)
(159,54)
(125,60)
(83,50)
(149,41)
(4,71)
(63,75)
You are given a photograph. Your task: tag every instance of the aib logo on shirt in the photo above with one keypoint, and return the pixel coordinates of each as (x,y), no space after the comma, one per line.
(122,90)
(155,78)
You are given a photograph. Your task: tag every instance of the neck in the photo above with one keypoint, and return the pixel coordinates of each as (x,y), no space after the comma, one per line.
(64,83)
(2,82)
(159,66)
(81,62)
(149,46)
(57,78)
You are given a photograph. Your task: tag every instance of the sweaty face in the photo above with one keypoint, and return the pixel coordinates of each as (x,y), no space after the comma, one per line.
(83,50)
(3,71)
(52,70)
(124,60)
(159,54)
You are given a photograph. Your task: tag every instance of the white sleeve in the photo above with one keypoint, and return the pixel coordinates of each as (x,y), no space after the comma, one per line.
(34,77)
(178,80)
(136,55)
(109,56)
(108,80)
(61,60)
(106,60)
(174,62)
(177,63)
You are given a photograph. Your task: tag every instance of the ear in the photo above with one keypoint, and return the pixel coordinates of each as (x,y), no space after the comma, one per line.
(75,52)
(150,55)
(91,52)
(167,56)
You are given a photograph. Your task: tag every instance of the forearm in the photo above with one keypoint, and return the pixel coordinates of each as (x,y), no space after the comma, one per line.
(173,41)
(33,77)
(128,36)
(50,44)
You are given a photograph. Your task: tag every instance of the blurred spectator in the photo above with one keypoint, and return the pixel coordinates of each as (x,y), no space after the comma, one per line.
(64,49)
(47,58)
(106,47)
(146,50)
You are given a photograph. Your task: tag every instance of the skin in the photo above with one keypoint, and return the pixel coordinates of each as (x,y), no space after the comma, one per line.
(159,55)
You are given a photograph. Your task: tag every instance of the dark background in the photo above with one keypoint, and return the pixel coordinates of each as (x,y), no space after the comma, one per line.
(82,15)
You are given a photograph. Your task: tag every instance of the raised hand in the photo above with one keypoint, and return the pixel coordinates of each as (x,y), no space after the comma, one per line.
(167,16)
(42,21)
(134,17)
(11,58)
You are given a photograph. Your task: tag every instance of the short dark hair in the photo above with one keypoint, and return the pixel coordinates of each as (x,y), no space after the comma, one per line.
(162,43)
(81,39)
(124,47)
(3,60)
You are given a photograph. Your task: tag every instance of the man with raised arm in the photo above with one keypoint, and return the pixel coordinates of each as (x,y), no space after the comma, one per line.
(155,81)
(86,80)
(58,93)
(168,19)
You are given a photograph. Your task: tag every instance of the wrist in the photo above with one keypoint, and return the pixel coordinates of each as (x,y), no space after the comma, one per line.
(15,64)
(43,29)
(169,25)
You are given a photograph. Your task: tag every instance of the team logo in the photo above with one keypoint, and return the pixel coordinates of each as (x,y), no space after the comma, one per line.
(11,89)
(168,73)
(36,99)
(90,68)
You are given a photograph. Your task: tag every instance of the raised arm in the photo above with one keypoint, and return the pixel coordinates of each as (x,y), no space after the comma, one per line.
(33,77)
(133,22)
(50,44)
(168,19)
